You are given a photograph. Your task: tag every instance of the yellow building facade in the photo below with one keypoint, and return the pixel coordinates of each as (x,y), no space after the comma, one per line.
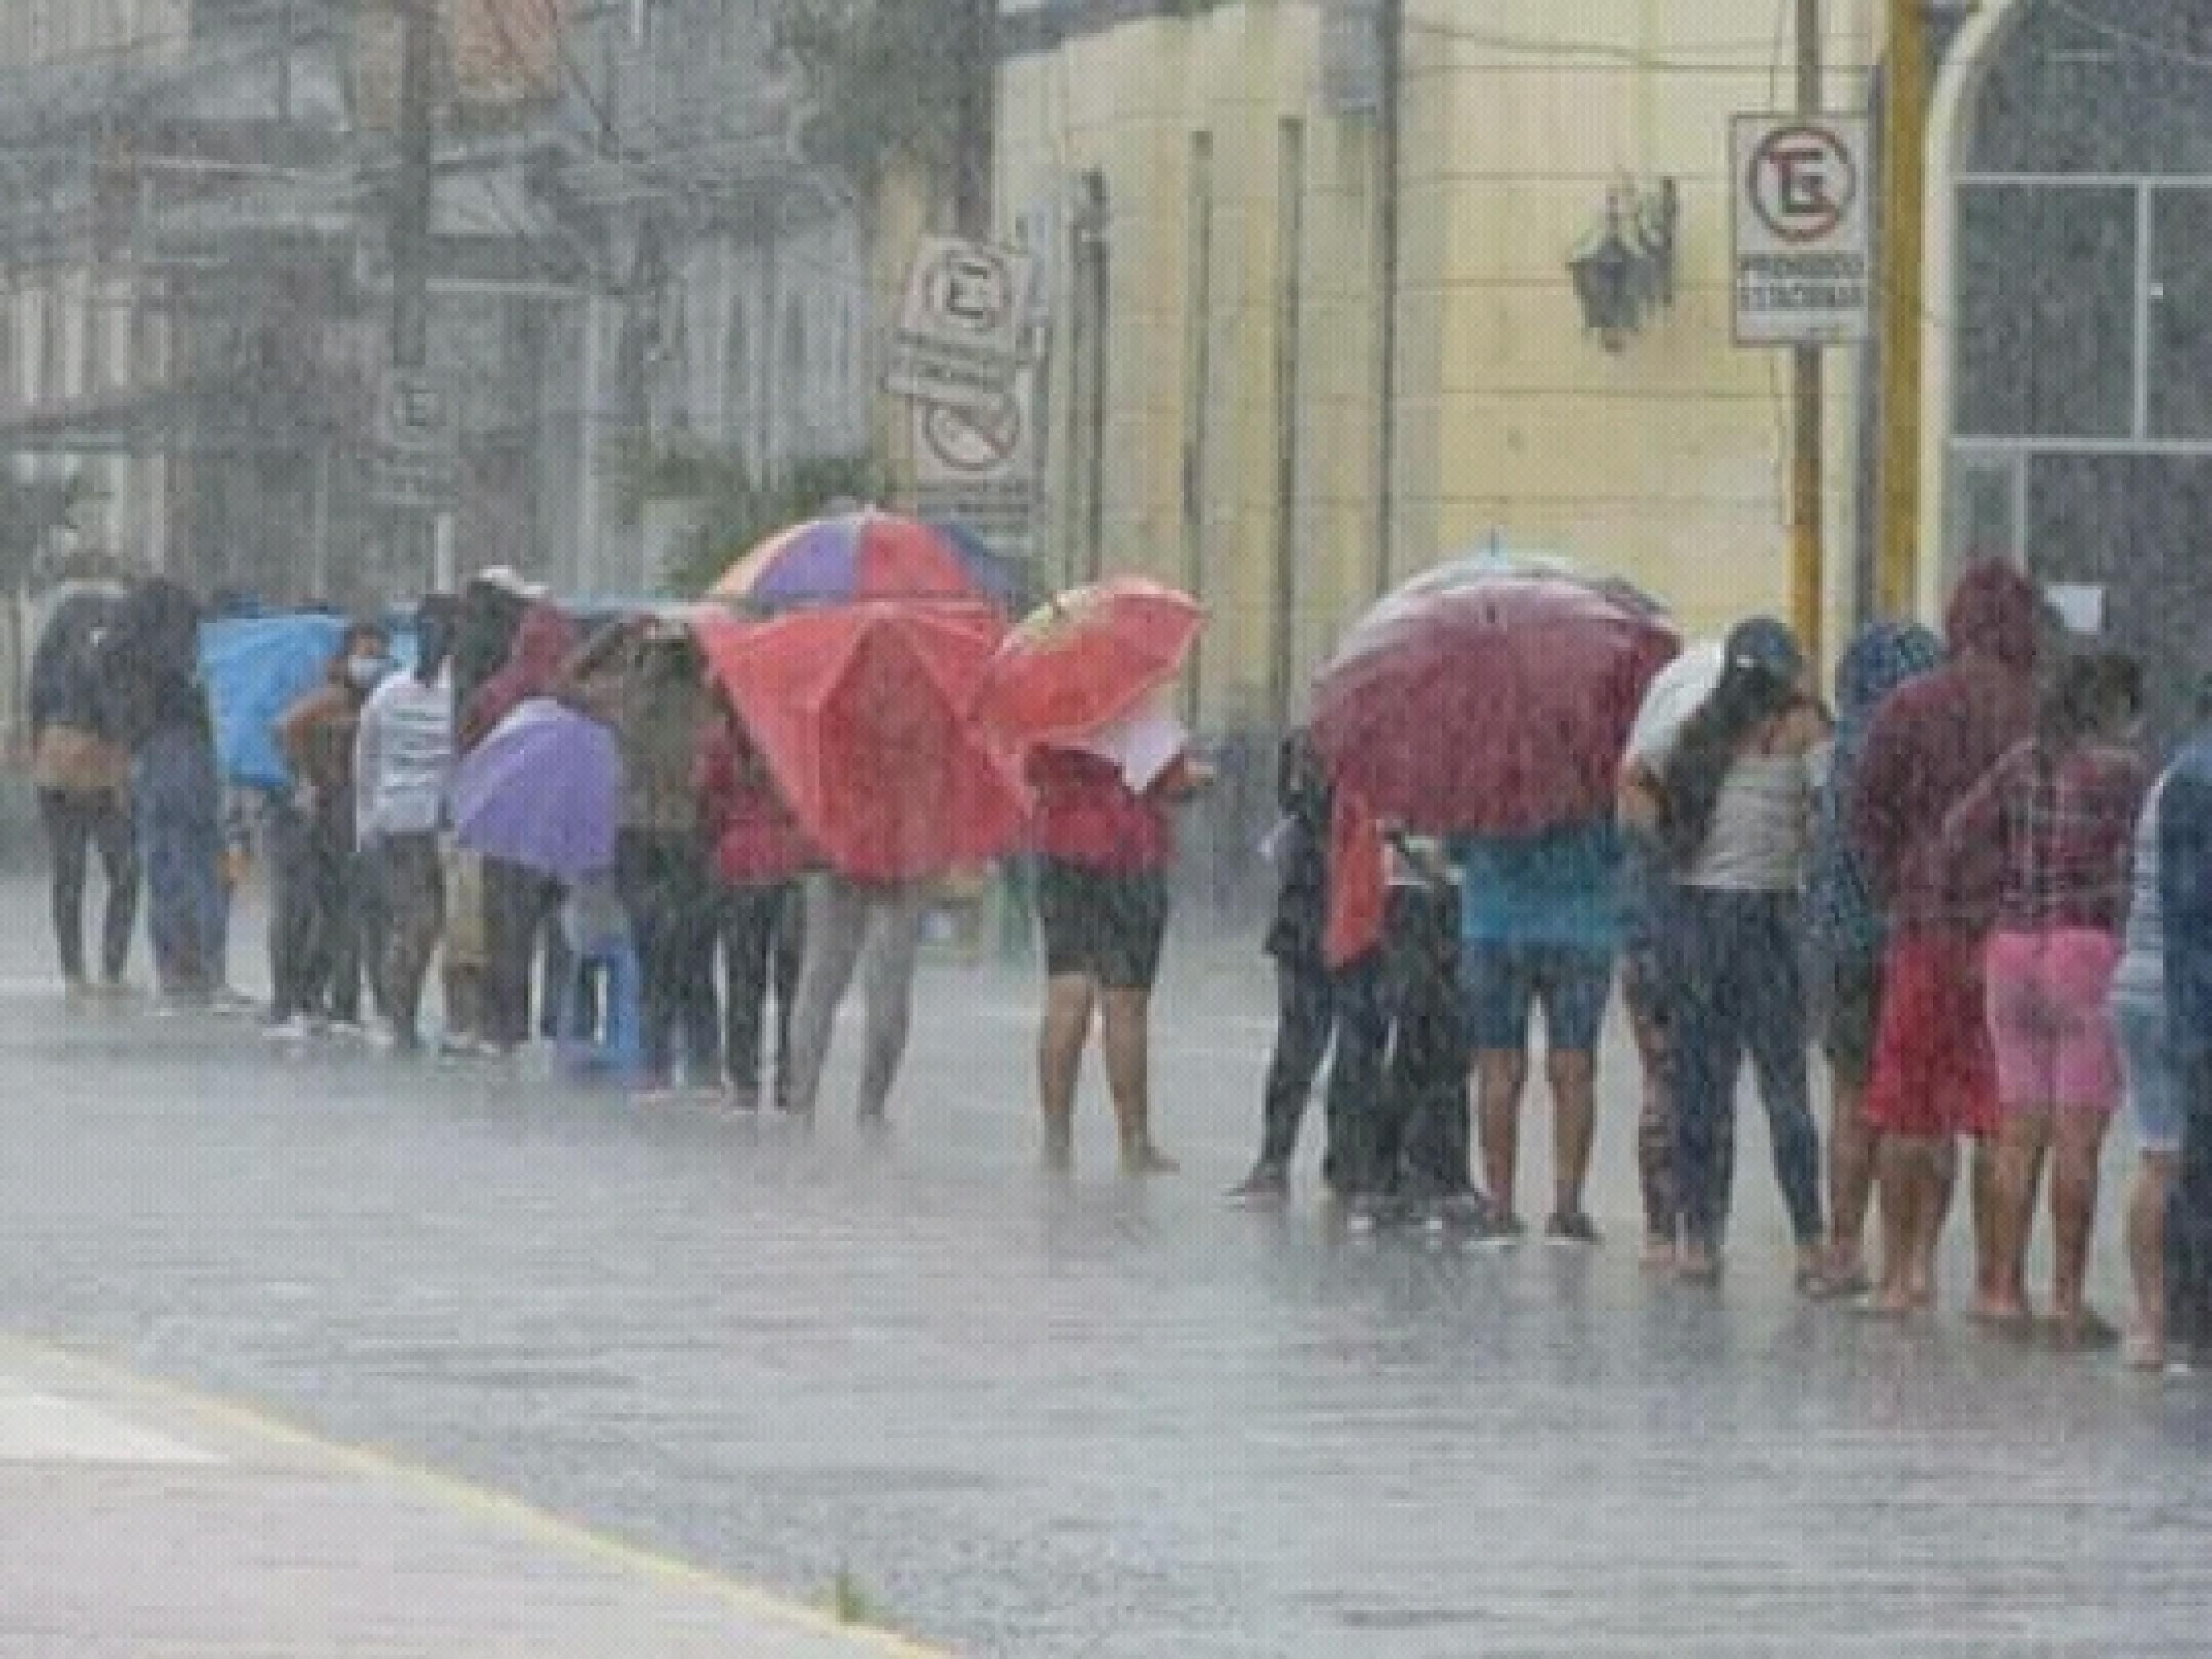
(1204,184)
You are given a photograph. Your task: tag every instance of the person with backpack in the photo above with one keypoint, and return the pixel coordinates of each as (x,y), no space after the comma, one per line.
(83,777)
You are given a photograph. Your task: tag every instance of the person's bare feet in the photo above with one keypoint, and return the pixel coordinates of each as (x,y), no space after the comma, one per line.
(2001,1313)
(1146,1159)
(2144,1349)
(1657,1254)
(1696,1264)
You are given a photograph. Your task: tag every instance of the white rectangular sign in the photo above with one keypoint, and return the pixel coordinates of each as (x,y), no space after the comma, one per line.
(979,467)
(1803,266)
(959,338)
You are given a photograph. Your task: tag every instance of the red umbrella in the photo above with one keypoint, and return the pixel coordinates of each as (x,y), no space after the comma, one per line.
(1498,707)
(1086,658)
(861,713)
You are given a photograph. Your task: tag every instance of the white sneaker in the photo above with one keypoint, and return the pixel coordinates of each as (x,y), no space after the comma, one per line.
(298,1029)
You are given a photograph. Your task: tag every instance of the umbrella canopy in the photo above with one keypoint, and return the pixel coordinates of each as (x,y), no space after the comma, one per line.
(1087,659)
(867,554)
(861,713)
(1678,691)
(255,669)
(1498,707)
(543,790)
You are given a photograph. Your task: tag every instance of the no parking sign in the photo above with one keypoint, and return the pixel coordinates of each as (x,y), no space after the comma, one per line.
(1803,264)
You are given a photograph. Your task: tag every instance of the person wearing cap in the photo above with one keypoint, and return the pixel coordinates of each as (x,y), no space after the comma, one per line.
(1934,1076)
(1734,812)
(2185,889)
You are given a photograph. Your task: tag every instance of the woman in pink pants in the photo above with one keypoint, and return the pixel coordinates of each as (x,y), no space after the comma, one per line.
(2056,814)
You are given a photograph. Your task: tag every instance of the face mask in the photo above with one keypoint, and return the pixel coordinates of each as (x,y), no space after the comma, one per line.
(365,673)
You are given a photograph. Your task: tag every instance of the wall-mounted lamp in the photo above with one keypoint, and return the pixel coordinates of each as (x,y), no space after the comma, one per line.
(1625,269)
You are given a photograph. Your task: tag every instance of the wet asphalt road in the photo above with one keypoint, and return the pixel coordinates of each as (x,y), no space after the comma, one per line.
(1033,1418)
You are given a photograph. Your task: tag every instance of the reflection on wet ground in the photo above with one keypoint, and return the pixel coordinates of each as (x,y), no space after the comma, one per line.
(1093,1418)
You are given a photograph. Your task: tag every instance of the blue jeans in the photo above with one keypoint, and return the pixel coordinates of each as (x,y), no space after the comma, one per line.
(1737,985)
(180,837)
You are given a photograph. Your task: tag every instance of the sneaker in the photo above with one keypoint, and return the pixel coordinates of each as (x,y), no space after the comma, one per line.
(347,1030)
(1268,1184)
(233,1003)
(299,1029)
(77,990)
(1569,1227)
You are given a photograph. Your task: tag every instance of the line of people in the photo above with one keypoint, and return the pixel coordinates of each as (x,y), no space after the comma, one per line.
(369,889)
(1968,886)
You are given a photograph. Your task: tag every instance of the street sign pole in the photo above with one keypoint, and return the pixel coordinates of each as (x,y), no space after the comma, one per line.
(1905,191)
(1808,554)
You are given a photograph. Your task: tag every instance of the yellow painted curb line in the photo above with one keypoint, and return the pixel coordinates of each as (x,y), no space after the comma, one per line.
(465,1496)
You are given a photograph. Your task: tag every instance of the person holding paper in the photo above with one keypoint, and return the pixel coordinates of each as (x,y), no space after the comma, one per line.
(1104,836)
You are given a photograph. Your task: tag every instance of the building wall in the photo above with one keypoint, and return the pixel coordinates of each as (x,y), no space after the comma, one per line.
(1667,462)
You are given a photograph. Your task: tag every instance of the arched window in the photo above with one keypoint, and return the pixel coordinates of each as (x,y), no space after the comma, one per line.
(2081,440)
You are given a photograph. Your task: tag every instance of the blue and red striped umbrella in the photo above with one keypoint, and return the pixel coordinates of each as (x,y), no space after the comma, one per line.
(861,555)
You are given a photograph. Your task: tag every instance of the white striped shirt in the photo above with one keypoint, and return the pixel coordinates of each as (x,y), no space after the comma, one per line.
(404,757)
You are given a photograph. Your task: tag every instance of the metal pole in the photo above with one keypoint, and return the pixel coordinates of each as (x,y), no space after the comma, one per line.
(1391,21)
(974,138)
(1905,191)
(1807,553)
(413,532)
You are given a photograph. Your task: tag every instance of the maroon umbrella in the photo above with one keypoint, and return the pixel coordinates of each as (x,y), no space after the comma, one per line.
(1496,707)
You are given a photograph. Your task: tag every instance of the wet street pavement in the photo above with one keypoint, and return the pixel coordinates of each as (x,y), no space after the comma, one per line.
(1031,1418)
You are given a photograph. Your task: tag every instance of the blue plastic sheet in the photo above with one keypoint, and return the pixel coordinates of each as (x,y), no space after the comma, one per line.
(255,669)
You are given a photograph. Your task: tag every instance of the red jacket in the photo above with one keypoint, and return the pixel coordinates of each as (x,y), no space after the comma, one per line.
(1931,742)
(542,647)
(757,840)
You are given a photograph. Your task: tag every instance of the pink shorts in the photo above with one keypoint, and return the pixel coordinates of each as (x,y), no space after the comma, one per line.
(2049,1022)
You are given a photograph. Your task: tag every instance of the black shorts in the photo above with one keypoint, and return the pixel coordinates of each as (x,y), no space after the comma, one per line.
(1106,925)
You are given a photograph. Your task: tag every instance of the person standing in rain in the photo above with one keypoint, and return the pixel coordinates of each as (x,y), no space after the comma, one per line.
(1735,799)
(1305,989)
(487,617)
(1106,841)
(150,677)
(1678,691)
(1539,926)
(517,902)
(2058,813)
(1933,1077)
(1845,937)
(760,854)
(2151,1073)
(82,776)
(644,679)
(2185,889)
(315,965)
(402,764)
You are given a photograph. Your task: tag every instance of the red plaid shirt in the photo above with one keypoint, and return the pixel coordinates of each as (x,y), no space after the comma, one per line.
(2058,838)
